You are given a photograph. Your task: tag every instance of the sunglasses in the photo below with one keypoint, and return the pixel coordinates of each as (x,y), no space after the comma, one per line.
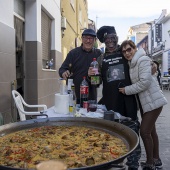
(127,50)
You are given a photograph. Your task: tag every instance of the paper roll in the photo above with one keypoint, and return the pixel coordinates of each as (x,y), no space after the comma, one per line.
(62,103)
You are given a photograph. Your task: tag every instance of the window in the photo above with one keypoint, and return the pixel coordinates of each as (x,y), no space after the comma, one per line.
(45,37)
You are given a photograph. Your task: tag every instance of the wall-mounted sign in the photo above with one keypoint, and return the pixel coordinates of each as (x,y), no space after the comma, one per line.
(158,32)
(156,49)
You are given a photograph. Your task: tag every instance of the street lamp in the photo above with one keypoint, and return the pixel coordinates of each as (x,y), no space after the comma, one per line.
(149,23)
(96,21)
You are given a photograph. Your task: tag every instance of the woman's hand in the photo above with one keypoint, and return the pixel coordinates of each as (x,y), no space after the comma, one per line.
(122,90)
(153,68)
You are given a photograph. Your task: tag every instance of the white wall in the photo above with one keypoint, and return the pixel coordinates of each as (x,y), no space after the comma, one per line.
(166,38)
(33,21)
(6,12)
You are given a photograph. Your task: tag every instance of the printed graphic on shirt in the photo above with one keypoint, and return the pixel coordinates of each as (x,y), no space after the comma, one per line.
(115,72)
(112,60)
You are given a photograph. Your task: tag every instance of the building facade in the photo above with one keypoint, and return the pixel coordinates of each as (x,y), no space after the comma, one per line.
(75,20)
(30,32)
(144,44)
(165,44)
(159,41)
(138,32)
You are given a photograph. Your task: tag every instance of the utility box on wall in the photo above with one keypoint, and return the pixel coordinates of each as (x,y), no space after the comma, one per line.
(63,23)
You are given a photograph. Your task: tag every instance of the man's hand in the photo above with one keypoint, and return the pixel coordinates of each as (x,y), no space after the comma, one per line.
(66,74)
(91,71)
(122,90)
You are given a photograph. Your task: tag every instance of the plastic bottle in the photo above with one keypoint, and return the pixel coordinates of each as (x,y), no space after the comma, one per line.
(84,91)
(72,101)
(95,79)
(69,80)
(74,94)
(46,65)
(51,64)
(71,105)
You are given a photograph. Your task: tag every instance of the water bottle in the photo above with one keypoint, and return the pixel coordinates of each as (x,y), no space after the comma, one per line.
(51,64)
(95,79)
(47,65)
(71,105)
(72,100)
(84,91)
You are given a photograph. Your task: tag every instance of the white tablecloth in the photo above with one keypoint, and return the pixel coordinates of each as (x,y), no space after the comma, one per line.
(51,112)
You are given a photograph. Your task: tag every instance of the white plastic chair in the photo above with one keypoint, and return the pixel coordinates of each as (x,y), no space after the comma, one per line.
(165,84)
(20,103)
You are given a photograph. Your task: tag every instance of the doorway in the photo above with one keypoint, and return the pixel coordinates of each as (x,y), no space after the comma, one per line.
(19,35)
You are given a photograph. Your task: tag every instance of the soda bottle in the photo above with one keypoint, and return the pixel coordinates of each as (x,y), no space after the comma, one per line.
(95,79)
(69,80)
(84,91)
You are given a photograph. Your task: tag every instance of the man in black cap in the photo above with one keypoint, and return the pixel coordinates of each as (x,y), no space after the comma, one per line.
(113,100)
(80,59)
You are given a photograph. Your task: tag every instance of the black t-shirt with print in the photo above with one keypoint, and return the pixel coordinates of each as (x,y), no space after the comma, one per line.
(115,74)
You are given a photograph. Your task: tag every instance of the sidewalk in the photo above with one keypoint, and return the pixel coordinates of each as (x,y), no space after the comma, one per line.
(163,130)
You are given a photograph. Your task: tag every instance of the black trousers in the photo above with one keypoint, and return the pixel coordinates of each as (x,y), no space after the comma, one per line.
(134,157)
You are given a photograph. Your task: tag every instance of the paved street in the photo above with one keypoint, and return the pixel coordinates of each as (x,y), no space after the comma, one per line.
(163,129)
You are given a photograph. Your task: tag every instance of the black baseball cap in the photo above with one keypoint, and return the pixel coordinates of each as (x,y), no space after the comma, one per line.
(90,32)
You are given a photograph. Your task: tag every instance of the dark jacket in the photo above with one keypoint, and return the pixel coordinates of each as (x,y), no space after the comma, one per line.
(80,60)
(112,98)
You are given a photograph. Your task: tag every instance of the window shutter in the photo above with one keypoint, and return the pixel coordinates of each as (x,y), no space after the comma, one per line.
(19,32)
(45,35)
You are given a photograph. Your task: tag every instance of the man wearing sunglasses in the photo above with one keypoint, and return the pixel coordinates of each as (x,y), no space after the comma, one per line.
(111,60)
(80,59)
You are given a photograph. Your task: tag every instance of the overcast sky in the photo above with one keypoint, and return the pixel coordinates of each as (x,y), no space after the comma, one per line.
(125,13)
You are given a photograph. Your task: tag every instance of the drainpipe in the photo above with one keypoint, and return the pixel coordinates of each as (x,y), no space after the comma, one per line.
(13,107)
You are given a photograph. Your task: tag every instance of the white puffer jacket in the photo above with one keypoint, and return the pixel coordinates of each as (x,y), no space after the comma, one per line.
(143,83)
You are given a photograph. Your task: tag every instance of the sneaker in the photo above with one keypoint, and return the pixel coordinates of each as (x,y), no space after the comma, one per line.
(131,168)
(158,163)
(142,164)
(149,167)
